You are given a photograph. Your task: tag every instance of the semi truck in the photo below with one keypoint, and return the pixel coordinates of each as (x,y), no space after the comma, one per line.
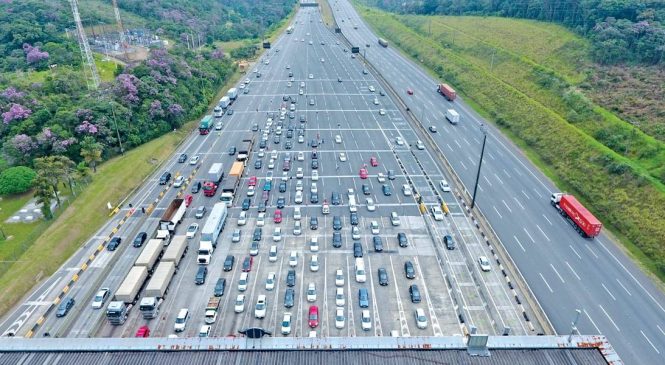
(156,289)
(211,310)
(117,312)
(230,186)
(210,232)
(173,215)
(213,178)
(584,222)
(150,254)
(453,116)
(383,42)
(243,151)
(224,102)
(129,289)
(447,91)
(176,250)
(232,93)
(205,125)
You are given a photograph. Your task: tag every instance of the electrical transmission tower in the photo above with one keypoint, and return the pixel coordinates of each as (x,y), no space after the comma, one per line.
(121,29)
(92,76)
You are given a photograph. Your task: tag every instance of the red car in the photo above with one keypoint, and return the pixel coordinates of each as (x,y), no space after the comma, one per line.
(278,216)
(252,181)
(143,331)
(373,161)
(247,263)
(363,173)
(313,316)
(409,91)
(188,200)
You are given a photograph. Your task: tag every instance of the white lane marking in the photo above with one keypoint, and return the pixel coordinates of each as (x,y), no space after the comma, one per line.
(467,142)
(548,221)
(507,207)
(661,330)
(624,288)
(519,243)
(497,211)
(498,178)
(523,192)
(518,203)
(527,233)
(541,231)
(592,322)
(578,255)
(486,179)
(548,285)
(463,165)
(506,172)
(608,291)
(590,250)
(557,274)
(457,143)
(450,148)
(573,270)
(610,318)
(649,341)
(490,155)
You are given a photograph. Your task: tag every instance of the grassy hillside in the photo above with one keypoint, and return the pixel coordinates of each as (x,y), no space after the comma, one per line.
(526,77)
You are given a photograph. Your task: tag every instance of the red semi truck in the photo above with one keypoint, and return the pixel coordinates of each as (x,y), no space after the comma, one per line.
(213,179)
(447,91)
(584,222)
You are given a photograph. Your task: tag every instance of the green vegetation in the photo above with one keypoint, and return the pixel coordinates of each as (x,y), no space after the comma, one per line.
(534,103)
(16,180)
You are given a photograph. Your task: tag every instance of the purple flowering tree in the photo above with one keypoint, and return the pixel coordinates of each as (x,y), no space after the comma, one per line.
(84,114)
(20,149)
(11,94)
(34,55)
(127,88)
(156,109)
(15,112)
(217,54)
(175,110)
(87,128)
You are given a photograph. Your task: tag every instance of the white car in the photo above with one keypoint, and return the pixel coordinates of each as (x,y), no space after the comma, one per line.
(235,237)
(100,298)
(484,263)
(297,228)
(247,81)
(289,84)
(260,308)
(298,198)
(301,156)
(314,244)
(262,153)
(437,213)
(311,292)
(286,324)
(178,181)
(293,259)
(270,281)
(370,205)
(240,303)
(285,176)
(219,126)
(242,219)
(339,297)
(315,175)
(299,173)
(261,219)
(444,185)
(271,164)
(342,157)
(311,76)
(181,320)
(313,189)
(339,277)
(205,329)
(314,263)
(399,141)
(374,226)
(406,189)
(302,83)
(339,318)
(300,92)
(301,139)
(322,60)
(366,320)
(376,101)
(251,191)
(382,112)
(381,177)
(191,230)
(296,213)
(269,176)
(194,160)
(355,233)
(273,155)
(277,234)
(338,138)
(421,319)
(371,89)
(420,145)
(299,185)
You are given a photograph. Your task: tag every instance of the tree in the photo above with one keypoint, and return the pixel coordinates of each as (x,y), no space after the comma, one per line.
(44,195)
(54,169)
(15,180)
(91,151)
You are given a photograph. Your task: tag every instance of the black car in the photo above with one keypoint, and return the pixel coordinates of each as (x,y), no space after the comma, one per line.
(354,218)
(378,243)
(280,202)
(247,264)
(201,274)
(232,151)
(219,287)
(448,241)
(315,155)
(257,235)
(262,144)
(196,187)
(314,143)
(363,298)
(315,164)
(289,296)
(282,187)
(64,307)
(289,133)
(139,239)
(246,203)
(409,270)
(386,190)
(335,199)
(288,145)
(414,292)
(258,164)
(229,111)
(357,249)
(276,139)
(366,190)
(291,278)
(314,198)
(337,239)
(337,223)
(383,277)
(401,240)
(164,179)
(391,174)
(255,127)
(182,158)
(228,262)
(303,119)
(113,243)
(262,207)
(313,223)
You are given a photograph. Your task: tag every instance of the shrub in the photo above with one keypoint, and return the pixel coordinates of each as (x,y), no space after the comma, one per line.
(15,180)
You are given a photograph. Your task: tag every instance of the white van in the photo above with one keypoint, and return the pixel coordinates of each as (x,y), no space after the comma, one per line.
(272,254)
(452,116)
(243,281)
(361,276)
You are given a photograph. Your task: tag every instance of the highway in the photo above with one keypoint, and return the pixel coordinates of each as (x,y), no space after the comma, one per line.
(565,271)
(337,99)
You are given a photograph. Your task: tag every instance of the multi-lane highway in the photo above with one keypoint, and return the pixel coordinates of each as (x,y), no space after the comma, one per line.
(565,271)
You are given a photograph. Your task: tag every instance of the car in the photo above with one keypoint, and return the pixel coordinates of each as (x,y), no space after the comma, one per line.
(239,305)
(219,126)
(342,157)
(399,141)
(262,207)
(363,298)
(301,156)
(181,320)
(201,275)
(261,219)
(365,320)
(247,264)
(188,200)
(178,181)
(313,223)
(228,262)
(242,218)
(298,197)
(276,139)
(420,145)
(314,244)
(311,292)
(200,212)
(219,287)
(194,160)
(255,127)
(432,128)
(278,214)
(263,144)
(315,164)
(100,298)
(258,234)
(301,92)
(252,181)
(286,324)
(277,234)
(196,187)
(373,161)
(235,237)
(191,230)
(288,145)
(339,318)
(365,189)
(337,223)
(409,270)
(164,179)
(338,138)
(314,199)
(409,91)
(315,176)
(394,219)
(381,177)
(339,79)
(382,112)
(339,277)
(371,89)
(401,240)
(280,203)
(421,319)
(335,198)
(313,316)
(268,185)
(232,151)
(139,239)
(357,249)
(182,158)
(311,76)
(258,164)
(260,308)
(383,276)
(364,70)
(246,203)
(484,263)
(444,185)
(301,139)
(374,227)
(353,219)
(414,293)
(246,91)
(314,263)
(355,233)
(376,101)
(293,259)
(378,243)
(337,239)
(297,215)
(113,243)
(205,329)
(406,190)
(382,93)
(65,305)
(437,213)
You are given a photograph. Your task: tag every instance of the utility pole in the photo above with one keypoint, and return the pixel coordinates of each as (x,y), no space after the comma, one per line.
(483,129)
(573,327)
(92,79)
(492,61)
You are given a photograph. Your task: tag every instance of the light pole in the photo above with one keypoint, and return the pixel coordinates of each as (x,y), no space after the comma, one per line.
(573,327)
(483,129)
